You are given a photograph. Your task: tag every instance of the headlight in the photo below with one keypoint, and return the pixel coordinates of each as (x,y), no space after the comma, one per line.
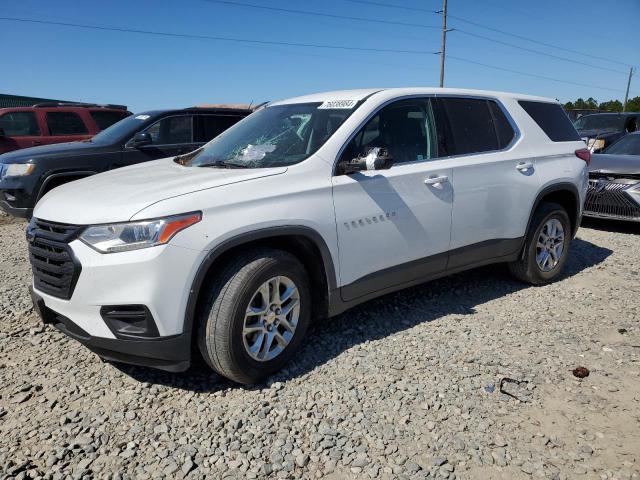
(595,144)
(19,169)
(121,237)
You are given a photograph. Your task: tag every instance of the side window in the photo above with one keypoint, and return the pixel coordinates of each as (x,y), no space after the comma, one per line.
(552,119)
(470,126)
(19,124)
(65,123)
(208,127)
(106,118)
(406,128)
(171,130)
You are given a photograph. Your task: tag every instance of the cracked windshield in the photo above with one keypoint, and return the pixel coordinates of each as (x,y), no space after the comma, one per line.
(274,136)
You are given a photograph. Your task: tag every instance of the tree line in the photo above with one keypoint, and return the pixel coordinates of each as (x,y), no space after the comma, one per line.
(633,105)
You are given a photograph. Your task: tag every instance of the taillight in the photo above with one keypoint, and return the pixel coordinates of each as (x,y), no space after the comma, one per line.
(584,154)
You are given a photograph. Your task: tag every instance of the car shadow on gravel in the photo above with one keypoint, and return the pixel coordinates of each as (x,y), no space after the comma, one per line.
(458,294)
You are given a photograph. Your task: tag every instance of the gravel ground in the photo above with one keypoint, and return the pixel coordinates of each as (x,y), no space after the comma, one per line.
(407,386)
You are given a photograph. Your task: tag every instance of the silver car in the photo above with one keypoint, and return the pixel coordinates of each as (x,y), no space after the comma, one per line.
(614,181)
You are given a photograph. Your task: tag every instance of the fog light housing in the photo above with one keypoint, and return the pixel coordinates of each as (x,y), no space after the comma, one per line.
(129,322)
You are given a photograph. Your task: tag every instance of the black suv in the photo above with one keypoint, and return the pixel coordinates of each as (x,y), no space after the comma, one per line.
(27,174)
(600,130)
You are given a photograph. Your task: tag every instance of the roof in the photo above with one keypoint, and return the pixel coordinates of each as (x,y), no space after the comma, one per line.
(361,94)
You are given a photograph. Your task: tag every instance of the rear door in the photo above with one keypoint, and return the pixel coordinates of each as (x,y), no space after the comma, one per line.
(494,183)
(170,136)
(21,130)
(105,118)
(393,225)
(209,126)
(64,126)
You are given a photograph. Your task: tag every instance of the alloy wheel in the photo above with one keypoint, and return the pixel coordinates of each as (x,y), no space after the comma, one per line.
(550,245)
(271,318)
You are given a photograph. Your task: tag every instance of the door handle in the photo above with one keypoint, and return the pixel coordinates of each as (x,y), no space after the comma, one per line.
(436,180)
(524,166)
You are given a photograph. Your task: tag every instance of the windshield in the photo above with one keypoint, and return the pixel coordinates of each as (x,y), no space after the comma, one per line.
(628,145)
(119,130)
(601,123)
(274,136)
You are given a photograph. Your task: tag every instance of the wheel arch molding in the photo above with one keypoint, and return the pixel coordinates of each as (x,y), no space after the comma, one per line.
(298,238)
(563,193)
(53,177)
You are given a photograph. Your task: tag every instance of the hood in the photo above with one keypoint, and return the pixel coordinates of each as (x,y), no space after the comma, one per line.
(117,195)
(622,164)
(70,148)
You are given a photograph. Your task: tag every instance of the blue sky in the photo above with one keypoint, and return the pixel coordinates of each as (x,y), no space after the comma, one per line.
(146,72)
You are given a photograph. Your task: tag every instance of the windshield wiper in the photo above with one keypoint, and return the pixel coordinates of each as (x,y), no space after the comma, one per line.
(224,164)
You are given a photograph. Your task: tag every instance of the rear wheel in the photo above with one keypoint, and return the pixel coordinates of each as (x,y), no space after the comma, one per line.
(256,315)
(546,246)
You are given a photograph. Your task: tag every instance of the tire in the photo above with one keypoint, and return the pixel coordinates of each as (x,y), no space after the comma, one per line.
(527,268)
(222,338)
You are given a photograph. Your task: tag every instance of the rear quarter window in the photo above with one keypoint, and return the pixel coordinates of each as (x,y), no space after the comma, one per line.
(552,119)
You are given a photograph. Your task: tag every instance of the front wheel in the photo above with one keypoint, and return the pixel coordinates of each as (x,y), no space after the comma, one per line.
(546,246)
(256,315)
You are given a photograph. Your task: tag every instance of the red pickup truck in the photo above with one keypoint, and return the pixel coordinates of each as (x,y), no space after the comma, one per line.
(46,123)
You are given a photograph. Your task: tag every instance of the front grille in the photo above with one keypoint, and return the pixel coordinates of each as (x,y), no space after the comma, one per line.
(55,269)
(610,199)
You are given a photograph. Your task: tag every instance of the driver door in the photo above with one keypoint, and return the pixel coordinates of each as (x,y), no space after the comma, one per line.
(170,136)
(394,225)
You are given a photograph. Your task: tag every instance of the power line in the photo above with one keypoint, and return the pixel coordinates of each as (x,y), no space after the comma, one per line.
(480,25)
(537,52)
(388,5)
(288,44)
(527,39)
(392,22)
(319,14)
(215,38)
(534,75)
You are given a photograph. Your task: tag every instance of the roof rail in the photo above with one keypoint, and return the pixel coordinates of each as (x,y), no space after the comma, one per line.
(226,106)
(78,104)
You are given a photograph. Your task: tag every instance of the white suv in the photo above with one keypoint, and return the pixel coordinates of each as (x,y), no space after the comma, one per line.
(303,209)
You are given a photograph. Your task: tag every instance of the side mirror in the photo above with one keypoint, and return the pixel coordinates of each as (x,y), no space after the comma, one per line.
(141,139)
(377,158)
(1,132)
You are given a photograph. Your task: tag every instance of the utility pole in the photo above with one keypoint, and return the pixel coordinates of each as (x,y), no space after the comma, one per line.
(626,95)
(444,41)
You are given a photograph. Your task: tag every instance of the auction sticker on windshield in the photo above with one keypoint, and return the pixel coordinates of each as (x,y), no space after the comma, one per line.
(346,104)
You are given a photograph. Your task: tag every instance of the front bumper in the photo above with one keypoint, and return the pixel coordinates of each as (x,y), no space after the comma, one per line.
(16,211)
(157,279)
(605,216)
(613,199)
(171,353)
